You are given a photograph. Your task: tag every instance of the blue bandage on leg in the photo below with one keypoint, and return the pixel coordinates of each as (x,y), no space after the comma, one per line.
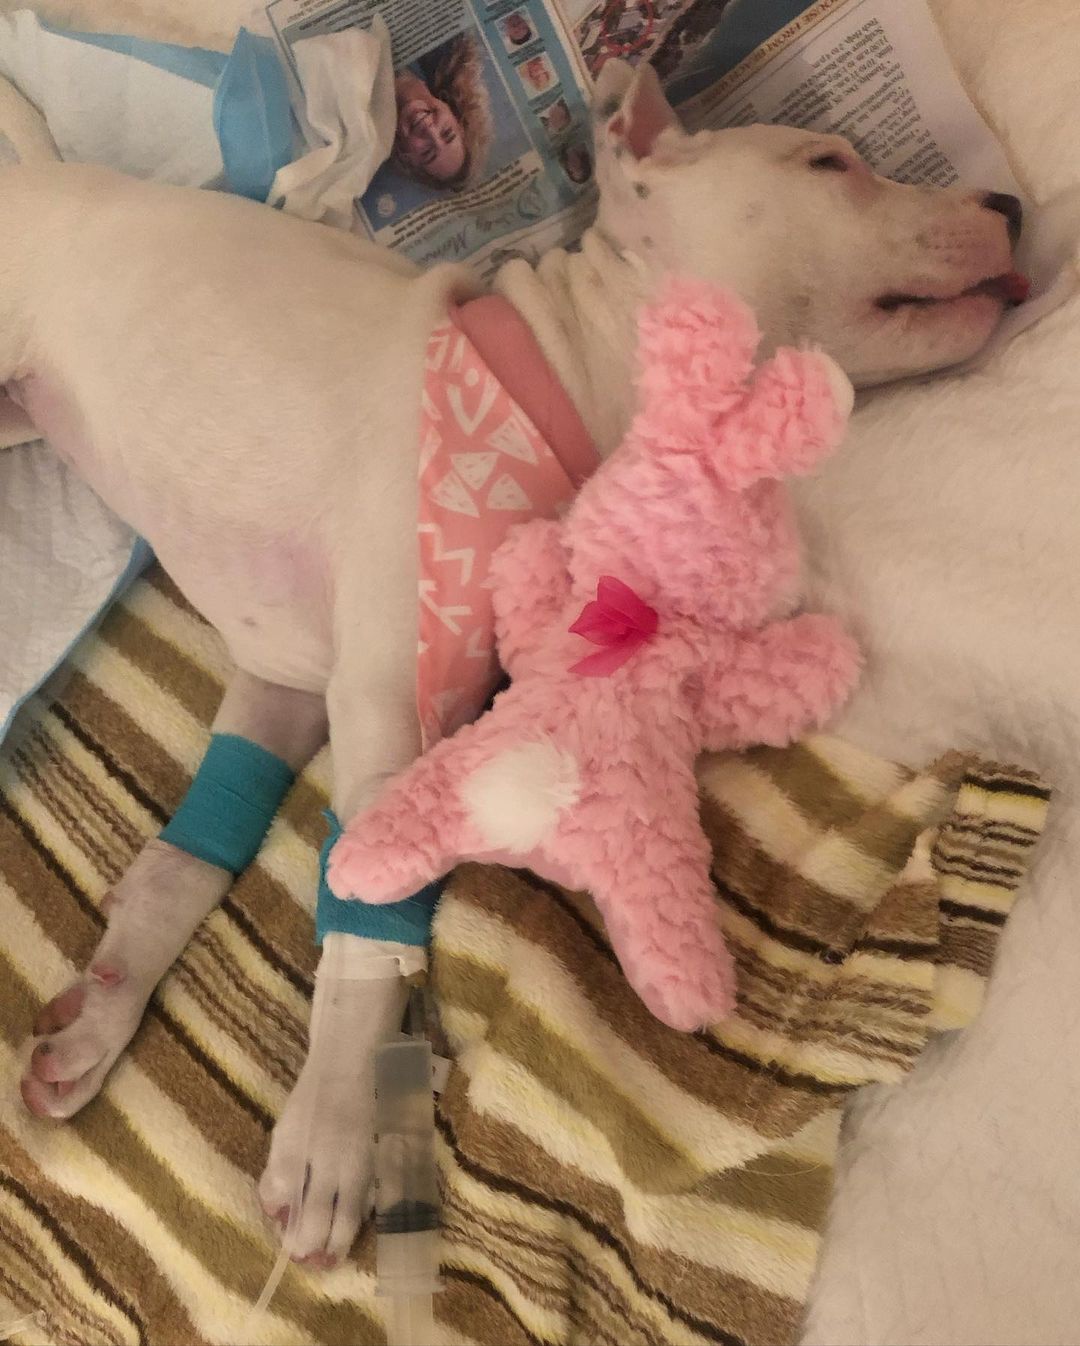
(231,803)
(406,922)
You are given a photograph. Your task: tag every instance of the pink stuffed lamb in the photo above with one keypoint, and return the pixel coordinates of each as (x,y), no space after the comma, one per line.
(678,567)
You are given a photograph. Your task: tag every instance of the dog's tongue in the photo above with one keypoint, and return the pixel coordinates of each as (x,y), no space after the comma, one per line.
(1009,288)
(1013,288)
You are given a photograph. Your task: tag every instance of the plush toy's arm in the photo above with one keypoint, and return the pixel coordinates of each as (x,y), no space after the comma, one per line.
(778,683)
(531,587)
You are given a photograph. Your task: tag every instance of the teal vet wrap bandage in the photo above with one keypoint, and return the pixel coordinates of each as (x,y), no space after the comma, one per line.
(407,922)
(231,803)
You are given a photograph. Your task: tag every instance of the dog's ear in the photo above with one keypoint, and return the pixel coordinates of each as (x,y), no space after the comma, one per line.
(630,108)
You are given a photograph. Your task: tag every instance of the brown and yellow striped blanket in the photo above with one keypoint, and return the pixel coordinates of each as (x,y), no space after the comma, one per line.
(606,1180)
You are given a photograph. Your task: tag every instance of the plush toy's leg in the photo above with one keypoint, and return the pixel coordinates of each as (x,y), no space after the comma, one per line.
(696,346)
(786,680)
(658,903)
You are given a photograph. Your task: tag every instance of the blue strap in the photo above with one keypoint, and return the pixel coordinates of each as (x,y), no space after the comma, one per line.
(252,113)
(231,803)
(406,922)
(253,117)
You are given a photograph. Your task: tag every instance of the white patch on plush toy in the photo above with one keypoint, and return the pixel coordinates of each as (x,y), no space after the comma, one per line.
(515,799)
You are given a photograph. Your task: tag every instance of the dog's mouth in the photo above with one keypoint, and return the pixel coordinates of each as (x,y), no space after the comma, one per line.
(1009,289)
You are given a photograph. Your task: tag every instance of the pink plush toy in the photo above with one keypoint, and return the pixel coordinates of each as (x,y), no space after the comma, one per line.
(679,559)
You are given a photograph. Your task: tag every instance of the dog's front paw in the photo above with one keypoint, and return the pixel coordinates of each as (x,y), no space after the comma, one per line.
(320,1163)
(317,1182)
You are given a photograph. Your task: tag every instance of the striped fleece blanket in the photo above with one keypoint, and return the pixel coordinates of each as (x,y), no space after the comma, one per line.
(606,1180)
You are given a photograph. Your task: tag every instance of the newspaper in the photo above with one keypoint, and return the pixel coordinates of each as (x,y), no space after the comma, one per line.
(492,155)
(873,72)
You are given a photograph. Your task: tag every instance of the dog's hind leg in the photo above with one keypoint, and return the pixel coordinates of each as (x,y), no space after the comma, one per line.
(151,915)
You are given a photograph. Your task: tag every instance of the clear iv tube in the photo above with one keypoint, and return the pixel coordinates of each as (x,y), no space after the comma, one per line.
(407,1190)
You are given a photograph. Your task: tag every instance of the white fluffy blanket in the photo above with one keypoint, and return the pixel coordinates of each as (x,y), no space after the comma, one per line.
(948,533)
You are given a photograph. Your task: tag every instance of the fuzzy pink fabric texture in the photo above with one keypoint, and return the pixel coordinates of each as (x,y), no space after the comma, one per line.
(653,622)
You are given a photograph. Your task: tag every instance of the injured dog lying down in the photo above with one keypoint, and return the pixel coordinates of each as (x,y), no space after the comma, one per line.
(274,467)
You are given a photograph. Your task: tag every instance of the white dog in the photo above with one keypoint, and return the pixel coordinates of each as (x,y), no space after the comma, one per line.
(244,389)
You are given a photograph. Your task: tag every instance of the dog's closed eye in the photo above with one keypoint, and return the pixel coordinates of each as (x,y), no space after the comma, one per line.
(830,163)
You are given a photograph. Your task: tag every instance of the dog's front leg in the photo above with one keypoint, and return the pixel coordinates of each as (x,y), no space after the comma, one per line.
(152,913)
(321,1151)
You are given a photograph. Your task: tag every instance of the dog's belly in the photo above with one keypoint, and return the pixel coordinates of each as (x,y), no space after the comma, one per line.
(266,589)
(270,598)
(243,388)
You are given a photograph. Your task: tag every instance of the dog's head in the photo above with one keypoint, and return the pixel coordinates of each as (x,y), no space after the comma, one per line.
(891,280)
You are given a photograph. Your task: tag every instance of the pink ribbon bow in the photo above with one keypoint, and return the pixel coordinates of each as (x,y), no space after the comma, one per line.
(617,619)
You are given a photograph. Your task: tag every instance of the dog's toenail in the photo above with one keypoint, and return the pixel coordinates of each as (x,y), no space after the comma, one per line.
(321,1260)
(107,976)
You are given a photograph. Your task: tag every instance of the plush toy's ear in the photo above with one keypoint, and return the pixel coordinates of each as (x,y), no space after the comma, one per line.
(630,108)
(696,344)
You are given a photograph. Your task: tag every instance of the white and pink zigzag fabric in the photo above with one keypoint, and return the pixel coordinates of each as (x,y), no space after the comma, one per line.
(484,467)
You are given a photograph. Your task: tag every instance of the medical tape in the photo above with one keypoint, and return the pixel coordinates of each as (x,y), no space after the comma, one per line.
(405,922)
(383,968)
(234,797)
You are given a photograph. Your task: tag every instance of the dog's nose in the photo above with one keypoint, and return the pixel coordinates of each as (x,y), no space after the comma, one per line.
(1008,206)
